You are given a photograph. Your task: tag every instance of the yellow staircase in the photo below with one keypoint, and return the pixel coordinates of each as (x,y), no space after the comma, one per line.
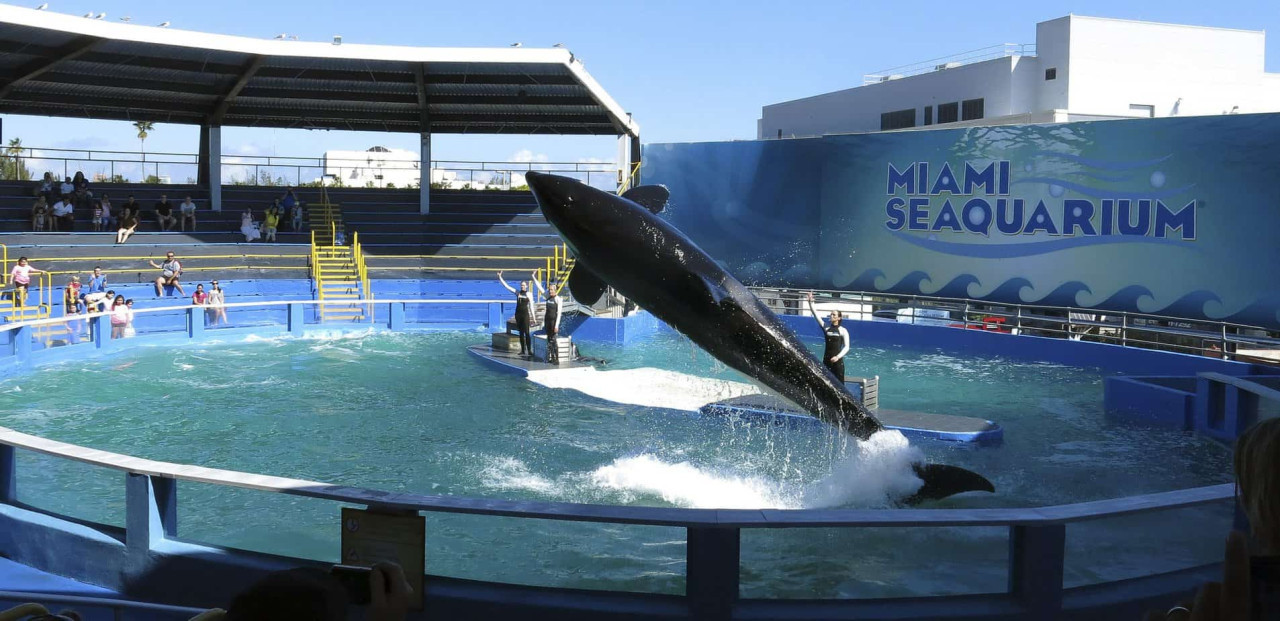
(559,265)
(340,274)
(325,219)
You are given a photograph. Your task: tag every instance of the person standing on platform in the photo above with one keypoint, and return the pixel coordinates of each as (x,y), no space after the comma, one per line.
(20,276)
(551,320)
(836,341)
(524,314)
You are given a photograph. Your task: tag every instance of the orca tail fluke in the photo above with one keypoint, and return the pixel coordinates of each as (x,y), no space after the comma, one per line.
(941,480)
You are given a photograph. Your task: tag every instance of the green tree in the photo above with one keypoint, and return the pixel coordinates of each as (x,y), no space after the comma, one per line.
(144,129)
(12,166)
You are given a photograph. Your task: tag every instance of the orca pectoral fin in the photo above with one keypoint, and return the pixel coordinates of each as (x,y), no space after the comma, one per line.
(941,480)
(585,286)
(651,197)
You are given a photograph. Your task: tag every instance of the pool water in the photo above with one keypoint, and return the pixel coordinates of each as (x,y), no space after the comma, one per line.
(417,413)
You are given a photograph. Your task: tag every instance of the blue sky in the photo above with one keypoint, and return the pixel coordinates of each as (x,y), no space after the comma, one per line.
(688,70)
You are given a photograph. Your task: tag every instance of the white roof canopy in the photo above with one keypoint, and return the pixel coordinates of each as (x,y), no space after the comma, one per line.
(62,65)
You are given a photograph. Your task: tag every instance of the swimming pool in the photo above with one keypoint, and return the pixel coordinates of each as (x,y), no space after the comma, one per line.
(412,412)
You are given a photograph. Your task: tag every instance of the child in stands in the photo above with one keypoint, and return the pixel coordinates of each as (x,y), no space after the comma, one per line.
(271,221)
(97,217)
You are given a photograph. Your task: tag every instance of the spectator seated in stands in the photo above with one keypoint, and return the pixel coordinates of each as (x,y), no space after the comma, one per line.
(248,226)
(64,213)
(295,217)
(108,218)
(46,187)
(307,593)
(39,215)
(67,188)
(270,222)
(164,214)
(81,184)
(288,200)
(187,212)
(128,224)
(170,272)
(134,207)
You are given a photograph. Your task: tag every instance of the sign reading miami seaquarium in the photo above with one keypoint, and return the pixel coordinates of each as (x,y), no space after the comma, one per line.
(1170,216)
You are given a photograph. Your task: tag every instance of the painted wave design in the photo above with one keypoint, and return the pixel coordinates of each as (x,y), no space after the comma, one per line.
(866,281)
(1104,193)
(1265,311)
(957,288)
(1010,291)
(1110,165)
(1065,294)
(1025,249)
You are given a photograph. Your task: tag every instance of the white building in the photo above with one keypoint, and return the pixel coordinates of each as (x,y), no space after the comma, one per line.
(1080,68)
(376,167)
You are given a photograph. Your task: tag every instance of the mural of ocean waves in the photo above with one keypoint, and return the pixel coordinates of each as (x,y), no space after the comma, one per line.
(1129,299)
(1023,249)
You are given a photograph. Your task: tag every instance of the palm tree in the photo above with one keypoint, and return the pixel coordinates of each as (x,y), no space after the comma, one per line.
(143,128)
(14,168)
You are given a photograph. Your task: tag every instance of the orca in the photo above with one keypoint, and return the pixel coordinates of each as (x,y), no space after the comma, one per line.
(620,241)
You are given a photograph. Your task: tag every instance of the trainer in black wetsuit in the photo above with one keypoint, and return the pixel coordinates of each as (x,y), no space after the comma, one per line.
(524,311)
(551,321)
(836,341)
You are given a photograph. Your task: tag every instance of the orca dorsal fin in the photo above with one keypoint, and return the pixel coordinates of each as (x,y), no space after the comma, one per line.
(651,197)
(585,286)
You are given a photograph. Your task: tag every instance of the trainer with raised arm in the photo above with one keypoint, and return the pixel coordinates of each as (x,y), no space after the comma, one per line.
(524,314)
(836,340)
(551,320)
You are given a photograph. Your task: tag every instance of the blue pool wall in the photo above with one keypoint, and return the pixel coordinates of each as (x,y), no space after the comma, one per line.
(155,567)
(1168,400)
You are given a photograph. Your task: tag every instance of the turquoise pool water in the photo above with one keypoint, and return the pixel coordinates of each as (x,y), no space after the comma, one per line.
(415,412)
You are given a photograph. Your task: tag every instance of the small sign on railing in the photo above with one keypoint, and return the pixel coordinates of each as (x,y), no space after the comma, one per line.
(370,537)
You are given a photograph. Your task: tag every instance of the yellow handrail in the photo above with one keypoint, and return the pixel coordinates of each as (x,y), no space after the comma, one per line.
(4,277)
(625,183)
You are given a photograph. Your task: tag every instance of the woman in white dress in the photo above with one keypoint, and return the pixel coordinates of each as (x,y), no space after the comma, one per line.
(249,227)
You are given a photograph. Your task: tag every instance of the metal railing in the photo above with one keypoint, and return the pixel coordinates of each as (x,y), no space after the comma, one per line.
(376,170)
(1036,536)
(1189,336)
(951,61)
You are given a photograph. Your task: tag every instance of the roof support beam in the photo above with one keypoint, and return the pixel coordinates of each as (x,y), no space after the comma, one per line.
(250,68)
(68,51)
(424,106)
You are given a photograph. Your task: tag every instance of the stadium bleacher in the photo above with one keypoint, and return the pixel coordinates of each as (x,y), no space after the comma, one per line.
(467,235)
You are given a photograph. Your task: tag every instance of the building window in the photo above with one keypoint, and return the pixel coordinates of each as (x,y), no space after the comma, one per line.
(948,112)
(1051,73)
(928,115)
(1142,110)
(898,119)
(971,109)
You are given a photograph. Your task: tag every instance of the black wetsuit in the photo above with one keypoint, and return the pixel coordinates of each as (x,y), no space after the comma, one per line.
(549,323)
(523,312)
(834,343)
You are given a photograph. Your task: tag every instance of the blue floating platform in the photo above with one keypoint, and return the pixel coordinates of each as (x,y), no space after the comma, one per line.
(775,411)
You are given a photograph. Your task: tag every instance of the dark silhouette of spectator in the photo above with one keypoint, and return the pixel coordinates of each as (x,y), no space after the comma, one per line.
(134,207)
(314,595)
(164,213)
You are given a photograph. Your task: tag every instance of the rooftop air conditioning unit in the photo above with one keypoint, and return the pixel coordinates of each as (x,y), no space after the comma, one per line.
(945,66)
